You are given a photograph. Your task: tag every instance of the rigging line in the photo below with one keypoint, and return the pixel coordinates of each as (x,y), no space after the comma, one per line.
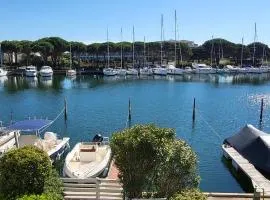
(209,126)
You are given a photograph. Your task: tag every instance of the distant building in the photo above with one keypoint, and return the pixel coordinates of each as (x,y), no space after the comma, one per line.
(191,44)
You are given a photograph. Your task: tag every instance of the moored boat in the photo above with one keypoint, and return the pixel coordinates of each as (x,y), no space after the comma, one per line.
(3,72)
(31,71)
(46,71)
(88,159)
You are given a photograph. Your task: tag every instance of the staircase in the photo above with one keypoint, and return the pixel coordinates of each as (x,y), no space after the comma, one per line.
(92,188)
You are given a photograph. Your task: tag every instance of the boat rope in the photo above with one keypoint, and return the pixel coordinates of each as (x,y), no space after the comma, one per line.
(209,125)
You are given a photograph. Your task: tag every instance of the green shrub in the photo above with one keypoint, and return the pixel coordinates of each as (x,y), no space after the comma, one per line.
(193,194)
(25,171)
(39,197)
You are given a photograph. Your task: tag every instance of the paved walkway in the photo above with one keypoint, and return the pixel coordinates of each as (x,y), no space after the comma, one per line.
(113,171)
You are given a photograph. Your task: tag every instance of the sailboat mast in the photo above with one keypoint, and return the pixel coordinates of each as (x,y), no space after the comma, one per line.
(121,48)
(175,32)
(133,40)
(144,58)
(108,50)
(242,52)
(1,63)
(212,50)
(70,57)
(263,55)
(254,45)
(161,39)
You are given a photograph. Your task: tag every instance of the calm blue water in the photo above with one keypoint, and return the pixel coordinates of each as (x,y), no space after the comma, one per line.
(100,105)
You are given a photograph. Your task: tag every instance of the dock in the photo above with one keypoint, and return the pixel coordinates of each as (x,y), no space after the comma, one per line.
(259,182)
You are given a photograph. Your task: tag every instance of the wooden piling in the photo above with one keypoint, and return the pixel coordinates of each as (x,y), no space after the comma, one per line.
(65,109)
(129,109)
(261,114)
(194,107)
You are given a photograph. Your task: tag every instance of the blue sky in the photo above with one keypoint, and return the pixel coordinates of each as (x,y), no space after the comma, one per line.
(87,20)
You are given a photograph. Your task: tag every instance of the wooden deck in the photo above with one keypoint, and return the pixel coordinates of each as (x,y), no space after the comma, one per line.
(238,161)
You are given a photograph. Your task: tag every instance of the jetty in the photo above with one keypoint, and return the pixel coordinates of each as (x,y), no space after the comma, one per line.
(259,182)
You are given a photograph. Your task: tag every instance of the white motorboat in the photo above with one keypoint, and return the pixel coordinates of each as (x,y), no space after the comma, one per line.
(46,71)
(132,71)
(121,72)
(109,71)
(172,70)
(7,140)
(253,70)
(71,72)
(188,70)
(3,72)
(264,69)
(31,71)
(160,71)
(204,69)
(87,160)
(146,71)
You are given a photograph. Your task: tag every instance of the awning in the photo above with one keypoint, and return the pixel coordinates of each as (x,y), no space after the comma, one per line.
(32,125)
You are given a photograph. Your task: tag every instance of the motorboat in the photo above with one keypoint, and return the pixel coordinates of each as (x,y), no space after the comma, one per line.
(109,71)
(132,71)
(253,70)
(3,72)
(172,70)
(7,140)
(204,69)
(71,72)
(264,69)
(53,146)
(146,71)
(188,70)
(121,72)
(31,71)
(46,71)
(88,159)
(160,71)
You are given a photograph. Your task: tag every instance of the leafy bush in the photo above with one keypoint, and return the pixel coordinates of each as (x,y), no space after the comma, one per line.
(150,158)
(39,197)
(27,170)
(189,195)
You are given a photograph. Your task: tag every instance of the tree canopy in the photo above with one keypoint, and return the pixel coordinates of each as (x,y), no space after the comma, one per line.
(150,158)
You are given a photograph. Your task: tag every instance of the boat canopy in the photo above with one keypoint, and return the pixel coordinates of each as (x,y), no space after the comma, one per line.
(32,125)
(254,145)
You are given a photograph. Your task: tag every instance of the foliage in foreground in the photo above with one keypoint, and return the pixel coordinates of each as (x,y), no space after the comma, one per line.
(39,197)
(189,195)
(27,171)
(150,158)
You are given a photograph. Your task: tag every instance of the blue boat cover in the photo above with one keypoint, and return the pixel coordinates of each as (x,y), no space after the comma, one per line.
(32,125)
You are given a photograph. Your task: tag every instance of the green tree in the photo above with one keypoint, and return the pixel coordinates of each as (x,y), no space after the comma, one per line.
(45,49)
(9,47)
(78,48)
(24,171)
(26,48)
(143,152)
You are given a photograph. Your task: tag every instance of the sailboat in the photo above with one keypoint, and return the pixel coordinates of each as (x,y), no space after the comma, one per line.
(107,71)
(171,69)
(133,71)
(159,70)
(121,71)
(145,70)
(71,72)
(2,72)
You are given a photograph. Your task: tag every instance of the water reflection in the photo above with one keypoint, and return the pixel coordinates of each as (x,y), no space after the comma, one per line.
(84,81)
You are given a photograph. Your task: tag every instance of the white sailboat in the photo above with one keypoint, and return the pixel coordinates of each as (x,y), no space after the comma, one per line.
(132,70)
(108,71)
(121,71)
(87,159)
(171,69)
(159,70)
(70,72)
(145,70)
(2,71)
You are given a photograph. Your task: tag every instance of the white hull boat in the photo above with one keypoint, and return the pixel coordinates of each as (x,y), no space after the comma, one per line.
(132,71)
(31,71)
(7,140)
(46,71)
(121,72)
(188,70)
(160,71)
(3,72)
(71,72)
(146,71)
(87,160)
(109,71)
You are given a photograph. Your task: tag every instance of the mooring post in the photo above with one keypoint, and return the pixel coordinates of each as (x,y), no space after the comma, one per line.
(261,115)
(65,109)
(129,109)
(194,107)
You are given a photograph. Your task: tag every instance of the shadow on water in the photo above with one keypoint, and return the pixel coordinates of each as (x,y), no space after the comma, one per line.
(240,176)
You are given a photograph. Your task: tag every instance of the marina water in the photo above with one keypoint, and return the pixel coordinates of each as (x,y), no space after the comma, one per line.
(100,105)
